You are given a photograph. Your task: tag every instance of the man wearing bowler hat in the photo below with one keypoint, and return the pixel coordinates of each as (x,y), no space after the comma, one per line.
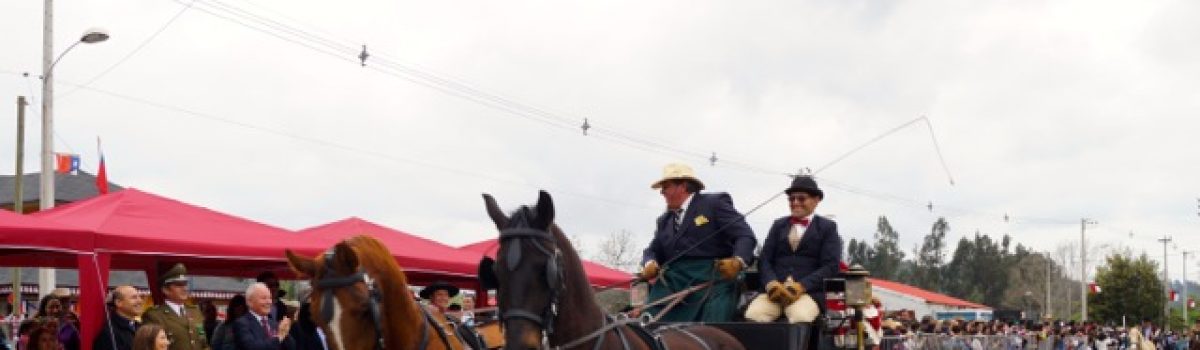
(701,237)
(801,250)
(183,323)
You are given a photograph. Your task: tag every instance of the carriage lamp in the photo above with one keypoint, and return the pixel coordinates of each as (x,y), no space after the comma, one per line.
(858,288)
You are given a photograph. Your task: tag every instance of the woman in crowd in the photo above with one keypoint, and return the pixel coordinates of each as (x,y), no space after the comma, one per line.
(44,338)
(151,337)
(222,338)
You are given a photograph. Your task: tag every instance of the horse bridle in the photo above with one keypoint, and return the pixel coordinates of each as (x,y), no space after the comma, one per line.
(554,278)
(329,280)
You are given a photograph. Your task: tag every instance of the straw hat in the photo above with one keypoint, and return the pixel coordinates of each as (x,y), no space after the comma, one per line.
(677,171)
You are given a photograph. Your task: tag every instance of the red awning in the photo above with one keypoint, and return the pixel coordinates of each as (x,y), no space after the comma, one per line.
(29,241)
(140,230)
(598,275)
(423,260)
(28,232)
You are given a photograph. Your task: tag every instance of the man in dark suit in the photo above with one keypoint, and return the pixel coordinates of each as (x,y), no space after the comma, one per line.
(125,306)
(701,237)
(256,330)
(183,323)
(800,252)
(278,308)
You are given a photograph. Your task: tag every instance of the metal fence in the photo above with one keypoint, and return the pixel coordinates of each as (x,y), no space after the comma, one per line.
(981,342)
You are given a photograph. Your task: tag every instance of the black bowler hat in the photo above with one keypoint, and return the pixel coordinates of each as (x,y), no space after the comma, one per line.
(806,184)
(427,293)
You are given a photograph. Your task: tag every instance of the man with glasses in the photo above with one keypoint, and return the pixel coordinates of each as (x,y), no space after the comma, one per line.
(701,237)
(800,252)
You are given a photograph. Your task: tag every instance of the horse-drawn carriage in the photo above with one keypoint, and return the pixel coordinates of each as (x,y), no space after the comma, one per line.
(360,297)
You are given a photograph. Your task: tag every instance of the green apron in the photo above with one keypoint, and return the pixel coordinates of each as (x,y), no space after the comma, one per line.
(717,303)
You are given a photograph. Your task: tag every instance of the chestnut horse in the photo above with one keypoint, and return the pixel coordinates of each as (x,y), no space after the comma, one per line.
(360,299)
(544,292)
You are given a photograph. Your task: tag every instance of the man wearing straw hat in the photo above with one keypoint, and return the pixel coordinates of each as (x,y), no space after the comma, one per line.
(700,238)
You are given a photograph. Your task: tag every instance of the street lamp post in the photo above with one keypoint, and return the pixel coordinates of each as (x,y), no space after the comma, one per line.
(46,194)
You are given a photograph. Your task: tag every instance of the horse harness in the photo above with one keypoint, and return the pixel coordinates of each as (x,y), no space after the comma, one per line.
(554,279)
(330,281)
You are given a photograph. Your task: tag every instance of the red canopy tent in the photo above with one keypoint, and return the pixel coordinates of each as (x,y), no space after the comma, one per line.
(29,241)
(598,275)
(424,261)
(141,231)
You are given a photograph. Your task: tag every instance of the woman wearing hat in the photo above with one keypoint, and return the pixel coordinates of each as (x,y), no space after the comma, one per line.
(439,294)
(704,238)
(800,252)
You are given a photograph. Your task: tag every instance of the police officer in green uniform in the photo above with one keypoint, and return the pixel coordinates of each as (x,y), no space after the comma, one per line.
(184,323)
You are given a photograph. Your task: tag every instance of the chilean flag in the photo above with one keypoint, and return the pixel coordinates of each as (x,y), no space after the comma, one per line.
(101,174)
(1094,288)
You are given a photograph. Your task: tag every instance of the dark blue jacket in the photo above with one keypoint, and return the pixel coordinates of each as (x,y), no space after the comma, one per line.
(717,211)
(122,330)
(248,334)
(817,258)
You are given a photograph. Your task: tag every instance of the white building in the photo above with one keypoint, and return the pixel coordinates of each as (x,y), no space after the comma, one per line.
(897,296)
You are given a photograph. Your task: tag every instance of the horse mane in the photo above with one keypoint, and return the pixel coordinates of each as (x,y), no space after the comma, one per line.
(586,313)
(399,309)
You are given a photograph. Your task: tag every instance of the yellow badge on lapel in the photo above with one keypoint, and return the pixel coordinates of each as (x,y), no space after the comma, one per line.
(701,220)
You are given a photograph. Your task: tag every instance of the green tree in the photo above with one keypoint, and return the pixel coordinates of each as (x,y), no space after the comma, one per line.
(858,252)
(1128,287)
(927,273)
(886,256)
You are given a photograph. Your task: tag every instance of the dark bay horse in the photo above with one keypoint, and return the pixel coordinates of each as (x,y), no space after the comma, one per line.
(361,300)
(543,292)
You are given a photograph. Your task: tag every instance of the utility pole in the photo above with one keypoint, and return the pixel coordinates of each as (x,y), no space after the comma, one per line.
(1083,282)
(46,276)
(19,191)
(1186,323)
(1166,284)
(1049,264)
(19,201)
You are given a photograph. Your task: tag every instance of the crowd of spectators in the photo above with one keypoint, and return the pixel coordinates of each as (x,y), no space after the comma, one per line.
(928,333)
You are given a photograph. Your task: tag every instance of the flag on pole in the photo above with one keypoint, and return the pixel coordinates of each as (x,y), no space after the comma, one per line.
(1094,288)
(101,174)
(1174,296)
(66,163)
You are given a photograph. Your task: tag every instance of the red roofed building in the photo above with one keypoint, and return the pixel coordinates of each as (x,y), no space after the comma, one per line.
(900,296)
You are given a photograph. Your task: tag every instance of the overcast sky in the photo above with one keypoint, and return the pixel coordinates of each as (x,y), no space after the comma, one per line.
(1047,111)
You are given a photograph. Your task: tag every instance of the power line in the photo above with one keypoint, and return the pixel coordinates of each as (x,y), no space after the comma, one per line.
(346,148)
(131,53)
(514,107)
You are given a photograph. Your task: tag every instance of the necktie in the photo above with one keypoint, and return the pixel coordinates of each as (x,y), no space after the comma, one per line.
(678,217)
(267,327)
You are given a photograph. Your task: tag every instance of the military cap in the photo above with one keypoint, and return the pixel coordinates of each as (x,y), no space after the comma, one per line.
(176,274)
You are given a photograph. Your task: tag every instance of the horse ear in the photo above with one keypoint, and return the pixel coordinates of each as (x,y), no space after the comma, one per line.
(494,212)
(545,208)
(302,265)
(345,258)
(487,273)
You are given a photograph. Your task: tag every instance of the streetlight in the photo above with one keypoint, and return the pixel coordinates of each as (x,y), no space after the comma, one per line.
(95,35)
(91,36)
